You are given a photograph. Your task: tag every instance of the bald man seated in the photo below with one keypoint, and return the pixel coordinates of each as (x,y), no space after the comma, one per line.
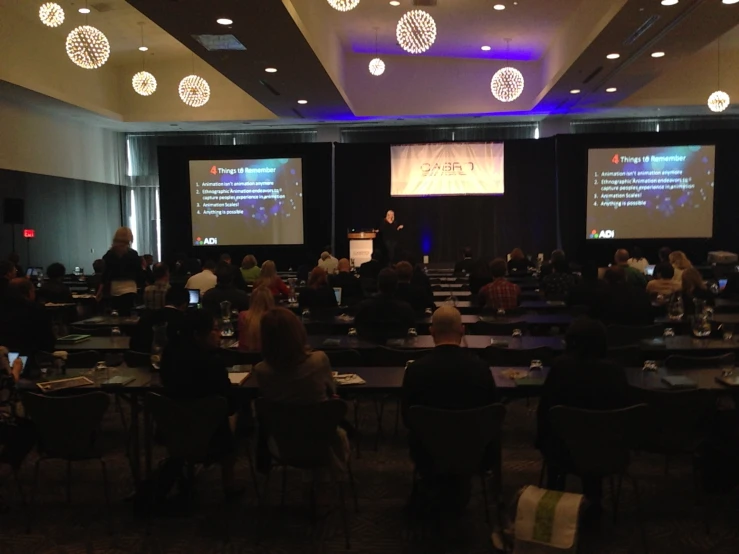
(633,275)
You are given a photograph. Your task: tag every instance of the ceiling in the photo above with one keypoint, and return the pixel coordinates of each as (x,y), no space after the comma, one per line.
(321,56)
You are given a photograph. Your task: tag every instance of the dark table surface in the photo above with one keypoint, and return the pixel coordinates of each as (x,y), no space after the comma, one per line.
(468,319)
(108,321)
(423,342)
(686,344)
(101,344)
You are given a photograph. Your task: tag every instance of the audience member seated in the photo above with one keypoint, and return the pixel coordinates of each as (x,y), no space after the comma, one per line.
(224,291)
(448,378)
(238,278)
(292,374)
(588,290)
(351,288)
(420,279)
(680,263)
(122,274)
(16,433)
(205,280)
(384,316)
(328,263)
(192,369)
(96,279)
(546,268)
(172,315)
(581,378)
(260,302)
(269,278)
(560,282)
(664,254)
(54,290)
(621,303)
(501,294)
(148,267)
(7,273)
(154,295)
(637,260)
(372,268)
(250,269)
(25,326)
(479,277)
(15,259)
(466,264)
(518,263)
(694,288)
(633,276)
(663,283)
(317,296)
(417,296)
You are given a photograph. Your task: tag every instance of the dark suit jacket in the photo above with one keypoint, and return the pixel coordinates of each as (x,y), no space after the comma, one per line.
(384,317)
(418,297)
(212,299)
(143,334)
(580,383)
(351,288)
(25,327)
(449,378)
(370,269)
(322,298)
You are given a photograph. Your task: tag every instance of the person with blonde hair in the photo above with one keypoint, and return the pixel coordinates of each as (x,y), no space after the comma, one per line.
(328,263)
(123,272)
(250,269)
(268,278)
(680,263)
(250,336)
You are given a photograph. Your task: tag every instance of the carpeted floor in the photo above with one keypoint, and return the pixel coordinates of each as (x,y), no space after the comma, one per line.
(673,524)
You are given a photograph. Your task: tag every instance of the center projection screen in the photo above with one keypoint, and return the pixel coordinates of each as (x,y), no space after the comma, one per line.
(447,169)
(661,192)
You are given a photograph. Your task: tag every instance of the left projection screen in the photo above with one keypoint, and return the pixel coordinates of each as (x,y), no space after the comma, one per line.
(238,202)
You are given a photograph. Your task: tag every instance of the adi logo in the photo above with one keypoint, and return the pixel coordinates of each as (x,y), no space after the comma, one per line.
(200,242)
(603,234)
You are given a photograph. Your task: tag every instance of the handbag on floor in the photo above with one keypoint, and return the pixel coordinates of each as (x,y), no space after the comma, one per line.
(546,522)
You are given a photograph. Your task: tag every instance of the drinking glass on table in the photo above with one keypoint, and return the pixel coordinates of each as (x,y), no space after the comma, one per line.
(115,332)
(727,331)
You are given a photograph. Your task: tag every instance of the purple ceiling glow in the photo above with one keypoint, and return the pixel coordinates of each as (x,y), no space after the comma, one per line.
(496,54)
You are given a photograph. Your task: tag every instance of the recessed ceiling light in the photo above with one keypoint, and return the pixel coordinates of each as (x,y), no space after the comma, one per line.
(394,3)
(658,54)
(499,7)
(224,21)
(84,10)
(302,101)
(271,70)
(575,91)
(485,48)
(143,48)
(729,1)
(611,89)
(669,2)
(613,56)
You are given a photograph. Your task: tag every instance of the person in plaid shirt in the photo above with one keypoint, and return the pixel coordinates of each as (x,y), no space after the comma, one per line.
(155,294)
(501,294)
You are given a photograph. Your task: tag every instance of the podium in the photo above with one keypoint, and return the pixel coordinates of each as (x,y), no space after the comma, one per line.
(360,246)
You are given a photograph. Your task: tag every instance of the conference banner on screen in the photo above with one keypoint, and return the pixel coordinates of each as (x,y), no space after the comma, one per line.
(446,169)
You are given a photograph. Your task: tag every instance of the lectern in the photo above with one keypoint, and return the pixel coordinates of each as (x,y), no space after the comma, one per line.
(360,246)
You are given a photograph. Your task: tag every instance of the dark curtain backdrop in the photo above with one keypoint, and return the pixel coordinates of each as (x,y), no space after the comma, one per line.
(174,191)
(74,220)
(525,216)
(572,160)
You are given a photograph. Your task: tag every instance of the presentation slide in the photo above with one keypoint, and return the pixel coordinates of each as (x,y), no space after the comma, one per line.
(446,169)
(254,202)
(655,192)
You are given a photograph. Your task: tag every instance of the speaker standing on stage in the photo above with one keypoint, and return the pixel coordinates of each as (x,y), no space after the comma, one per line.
(389,229)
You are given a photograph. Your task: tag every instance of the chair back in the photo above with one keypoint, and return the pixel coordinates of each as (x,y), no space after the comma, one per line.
(344,358)
(626,356)
(187,426)
(395,357)
(625,335)
(67,425)
(678,420)
(599,442)
(457,440)
(303,435)
(512,357)
(498,328)
(699,362)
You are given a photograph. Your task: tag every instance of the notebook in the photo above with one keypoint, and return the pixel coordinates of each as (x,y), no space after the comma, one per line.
(73,339)
(349,379)
(679,382)
(238,379)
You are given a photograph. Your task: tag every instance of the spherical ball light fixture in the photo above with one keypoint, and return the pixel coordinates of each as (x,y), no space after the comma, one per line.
(194,91)
(343,5)
(416,31)
(376,67)
(88,47)
(144,83)
(718,101)
(51,14)
(507,84)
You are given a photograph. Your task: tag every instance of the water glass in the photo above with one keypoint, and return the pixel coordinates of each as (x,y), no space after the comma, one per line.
(649,365)
(668,332)
(727,331)
(500,312)
(412,333)
(517,333)
(115,332)
(352,332)
(113,313)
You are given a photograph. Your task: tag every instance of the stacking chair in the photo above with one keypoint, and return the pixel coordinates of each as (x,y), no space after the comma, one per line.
(303,437)
(67,427)
(599,445)
(699,362)
(458,442)
(625,335)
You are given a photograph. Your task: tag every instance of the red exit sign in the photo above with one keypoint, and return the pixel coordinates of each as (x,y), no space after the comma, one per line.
(29,233)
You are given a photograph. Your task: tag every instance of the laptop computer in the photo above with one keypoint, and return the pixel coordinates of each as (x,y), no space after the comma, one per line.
(194,298)
(722,284)
(649,271)
(34,272)
(337,293)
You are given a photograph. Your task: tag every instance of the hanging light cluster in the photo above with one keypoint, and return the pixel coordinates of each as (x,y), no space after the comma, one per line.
(51,14)
(719,100)
(376,65)
(194,91)
(507,84)
(416,32)
(343,5)
(144,83)
(88,47)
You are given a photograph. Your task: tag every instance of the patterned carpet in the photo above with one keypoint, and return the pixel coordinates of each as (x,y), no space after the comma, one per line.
(673,524)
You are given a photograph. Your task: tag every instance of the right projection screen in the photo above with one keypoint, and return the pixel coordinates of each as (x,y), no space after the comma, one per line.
(654,192)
